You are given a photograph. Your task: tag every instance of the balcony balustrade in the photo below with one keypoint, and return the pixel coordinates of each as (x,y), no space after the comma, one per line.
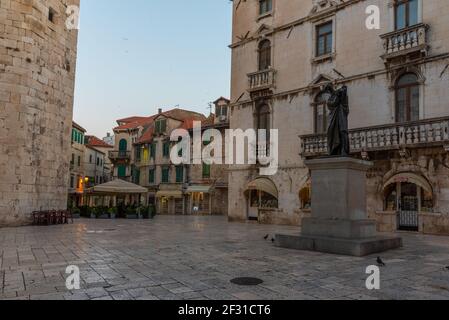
(261,80)
(119,155)
(431,132)
(405,41)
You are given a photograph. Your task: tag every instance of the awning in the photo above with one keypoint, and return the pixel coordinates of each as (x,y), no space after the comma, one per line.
(118,187)
(198,188)
(265,185)
(169,194)
(411,178)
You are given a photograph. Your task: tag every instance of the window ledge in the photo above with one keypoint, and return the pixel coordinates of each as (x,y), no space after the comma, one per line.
(324,58)
(264,15)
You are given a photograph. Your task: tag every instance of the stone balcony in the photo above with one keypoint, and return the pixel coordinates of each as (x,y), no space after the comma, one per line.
(405,41)
(119,155)
(261,80)
(423,133)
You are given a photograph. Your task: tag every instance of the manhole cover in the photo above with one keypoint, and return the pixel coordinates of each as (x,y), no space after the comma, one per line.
(247,281)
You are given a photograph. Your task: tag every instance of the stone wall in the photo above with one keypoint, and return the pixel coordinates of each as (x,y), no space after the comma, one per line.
(37,74)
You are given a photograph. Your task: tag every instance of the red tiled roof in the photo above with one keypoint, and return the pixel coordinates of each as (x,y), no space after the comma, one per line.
(210,121)
(131,119)
(93,141)
(187,118)
(135,124)
(147,136)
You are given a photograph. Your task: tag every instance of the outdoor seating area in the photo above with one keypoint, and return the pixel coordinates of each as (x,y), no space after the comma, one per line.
(52,217)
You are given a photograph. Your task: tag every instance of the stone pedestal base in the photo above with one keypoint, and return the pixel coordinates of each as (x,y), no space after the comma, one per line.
(339,222)
(350,247)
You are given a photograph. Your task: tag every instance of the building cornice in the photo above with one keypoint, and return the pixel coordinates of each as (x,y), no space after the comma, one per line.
(312,17)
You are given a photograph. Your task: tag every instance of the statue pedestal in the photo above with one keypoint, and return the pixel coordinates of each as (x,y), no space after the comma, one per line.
(339,222)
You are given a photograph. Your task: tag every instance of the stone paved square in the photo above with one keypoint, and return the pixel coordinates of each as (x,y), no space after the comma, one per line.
(185,257)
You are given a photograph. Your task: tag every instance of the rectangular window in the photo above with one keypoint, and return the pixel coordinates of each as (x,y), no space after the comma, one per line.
(138,152)
(165,175)
(179,174)
(153,150)
(152,176)
(79,161)
(72,182)
(406,13)
(265,6)
(161,126)
(166,149)
(324,39)
(206,171)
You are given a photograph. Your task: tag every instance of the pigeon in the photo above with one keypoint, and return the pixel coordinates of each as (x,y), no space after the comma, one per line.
(380,262)
(273,240)
(266,237)
(447,268)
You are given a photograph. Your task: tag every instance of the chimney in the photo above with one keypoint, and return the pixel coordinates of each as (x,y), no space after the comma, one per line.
(160,111)
(108,134)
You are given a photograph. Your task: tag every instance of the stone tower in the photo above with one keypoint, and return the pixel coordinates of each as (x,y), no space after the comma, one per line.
(37,75)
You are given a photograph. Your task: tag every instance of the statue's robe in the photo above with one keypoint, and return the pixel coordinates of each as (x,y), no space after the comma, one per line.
(337,135)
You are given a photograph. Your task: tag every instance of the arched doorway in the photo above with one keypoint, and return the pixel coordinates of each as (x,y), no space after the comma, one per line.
(261,194)
(408,194)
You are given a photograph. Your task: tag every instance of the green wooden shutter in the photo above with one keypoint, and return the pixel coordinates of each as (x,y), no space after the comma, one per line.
(206,170)
(179,174)
(165,175)
(121,171)
(151,176)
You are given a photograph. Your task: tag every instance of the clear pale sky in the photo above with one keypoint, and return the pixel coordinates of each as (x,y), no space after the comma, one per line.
(135,56)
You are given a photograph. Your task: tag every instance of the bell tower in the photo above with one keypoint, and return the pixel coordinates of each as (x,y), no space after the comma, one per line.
(37,75)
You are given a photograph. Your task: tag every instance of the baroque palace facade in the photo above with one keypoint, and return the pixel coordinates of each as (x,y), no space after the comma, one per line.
(285,52)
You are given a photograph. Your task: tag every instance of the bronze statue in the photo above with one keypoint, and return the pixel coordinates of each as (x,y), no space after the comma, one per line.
(337,133)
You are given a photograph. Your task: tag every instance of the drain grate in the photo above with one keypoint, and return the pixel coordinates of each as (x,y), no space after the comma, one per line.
(247,281)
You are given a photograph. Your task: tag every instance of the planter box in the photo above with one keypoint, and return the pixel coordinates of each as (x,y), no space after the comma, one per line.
(104,216)
(133,216)
(92,216)
(112,216)
(76,216)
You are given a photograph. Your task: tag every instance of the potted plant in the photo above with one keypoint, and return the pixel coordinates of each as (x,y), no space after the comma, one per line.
(92,212)
(76,213)
(131,213)
(152,211)
(102,213)
(112,212)
(143,212)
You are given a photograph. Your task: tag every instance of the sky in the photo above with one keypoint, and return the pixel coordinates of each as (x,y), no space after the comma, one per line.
(140,55)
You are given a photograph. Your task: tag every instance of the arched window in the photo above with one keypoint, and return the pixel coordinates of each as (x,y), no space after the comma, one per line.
(123,145)
(264,55)
(407,98)
(321,112)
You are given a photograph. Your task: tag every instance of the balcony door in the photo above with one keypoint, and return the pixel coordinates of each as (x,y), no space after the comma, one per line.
(407,98)
(123,147)
(264,55)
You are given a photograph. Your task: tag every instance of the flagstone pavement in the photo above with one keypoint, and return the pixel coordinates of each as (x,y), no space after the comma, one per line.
(181,257)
